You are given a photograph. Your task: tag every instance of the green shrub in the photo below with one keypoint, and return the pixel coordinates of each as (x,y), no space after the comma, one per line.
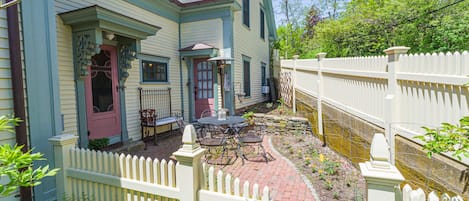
(16,167)
(98,144)
(447,138)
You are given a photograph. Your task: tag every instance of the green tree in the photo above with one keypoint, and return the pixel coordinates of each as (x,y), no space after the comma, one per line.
(367,27)
(16,167)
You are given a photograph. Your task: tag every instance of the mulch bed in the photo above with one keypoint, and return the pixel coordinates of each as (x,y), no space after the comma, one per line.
(332,176)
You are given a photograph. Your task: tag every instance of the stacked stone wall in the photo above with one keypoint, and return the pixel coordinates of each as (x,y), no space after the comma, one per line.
(351,137)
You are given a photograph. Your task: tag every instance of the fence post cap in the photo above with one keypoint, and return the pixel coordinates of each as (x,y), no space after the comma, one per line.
(64,139)
(189,149)
(379,150)
(396,50)
(321,55)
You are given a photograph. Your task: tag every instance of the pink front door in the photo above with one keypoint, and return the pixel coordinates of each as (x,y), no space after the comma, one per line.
(203,86)
(102,98)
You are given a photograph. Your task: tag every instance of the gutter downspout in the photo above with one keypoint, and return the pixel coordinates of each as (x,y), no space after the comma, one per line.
(17,84)
(180,72)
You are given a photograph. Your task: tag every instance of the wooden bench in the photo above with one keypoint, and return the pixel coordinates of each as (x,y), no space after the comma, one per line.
(156,110)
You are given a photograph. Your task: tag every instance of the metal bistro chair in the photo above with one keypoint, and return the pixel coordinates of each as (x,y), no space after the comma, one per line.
(251,138)
(215,141)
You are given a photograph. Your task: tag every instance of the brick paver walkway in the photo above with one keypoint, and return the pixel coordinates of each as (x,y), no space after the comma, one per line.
(285,183)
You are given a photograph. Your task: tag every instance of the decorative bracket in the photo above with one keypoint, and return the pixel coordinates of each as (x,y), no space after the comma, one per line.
(127,54)
(85,48)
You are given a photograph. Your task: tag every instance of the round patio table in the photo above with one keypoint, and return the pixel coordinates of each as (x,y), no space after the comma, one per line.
(230,120)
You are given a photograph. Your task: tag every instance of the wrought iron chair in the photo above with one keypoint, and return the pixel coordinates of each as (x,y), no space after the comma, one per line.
(251,138)
(148,119)
(214,140)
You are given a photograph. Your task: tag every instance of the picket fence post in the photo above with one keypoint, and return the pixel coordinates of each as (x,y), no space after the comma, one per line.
(295,59)
(62,145)
(382,178)
(189,168)
(391,100)
(320,89)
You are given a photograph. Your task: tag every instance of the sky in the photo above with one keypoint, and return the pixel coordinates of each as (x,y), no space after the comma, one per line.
(280,16)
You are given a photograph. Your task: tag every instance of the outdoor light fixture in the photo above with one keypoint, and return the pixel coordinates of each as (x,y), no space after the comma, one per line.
(221,62)
(109,35)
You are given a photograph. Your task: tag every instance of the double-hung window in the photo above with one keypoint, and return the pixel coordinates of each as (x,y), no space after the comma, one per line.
(247,75)
(262,24)
(263,74)
(246,12)
(154,69)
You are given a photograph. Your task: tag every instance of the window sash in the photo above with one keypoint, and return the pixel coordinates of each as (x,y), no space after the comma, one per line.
(154,71)
(263,75)
(262,24)
(246,13)
(247,78)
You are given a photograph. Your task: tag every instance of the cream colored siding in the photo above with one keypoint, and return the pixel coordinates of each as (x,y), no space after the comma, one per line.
(247,41)
(209,32)
(6,96)
(66,77)
(165,44)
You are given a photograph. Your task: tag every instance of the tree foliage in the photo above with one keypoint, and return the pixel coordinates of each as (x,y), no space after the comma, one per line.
(367,27)
(16,167)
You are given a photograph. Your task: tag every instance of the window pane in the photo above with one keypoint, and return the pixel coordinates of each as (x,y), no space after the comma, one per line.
(154,71)
(247,78)
(246,12)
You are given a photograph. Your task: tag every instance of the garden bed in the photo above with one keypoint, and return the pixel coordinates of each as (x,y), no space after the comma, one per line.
(332,176)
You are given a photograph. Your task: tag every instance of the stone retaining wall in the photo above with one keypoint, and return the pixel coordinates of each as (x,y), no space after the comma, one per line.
(280,124)
(352,136)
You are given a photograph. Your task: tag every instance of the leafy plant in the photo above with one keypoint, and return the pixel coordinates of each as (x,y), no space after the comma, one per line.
(98,144)
(329,185)
(16,167)
(447,138)
(330,167)
(336,195)
(249,116)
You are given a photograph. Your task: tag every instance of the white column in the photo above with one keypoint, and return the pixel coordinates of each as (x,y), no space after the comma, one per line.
(295,59)
(62,145)
(391,101)
(320,91)
(382,178)
(189,169)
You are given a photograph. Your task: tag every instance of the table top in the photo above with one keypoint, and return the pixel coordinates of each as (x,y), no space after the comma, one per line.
(214,120)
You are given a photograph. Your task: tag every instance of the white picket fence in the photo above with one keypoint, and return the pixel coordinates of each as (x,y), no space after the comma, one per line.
(222,186)
(407,194)
(383,179)
(95,175)
(106,176)
(399,92)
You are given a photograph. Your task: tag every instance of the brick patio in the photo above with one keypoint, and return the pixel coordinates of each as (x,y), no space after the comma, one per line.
(279,174)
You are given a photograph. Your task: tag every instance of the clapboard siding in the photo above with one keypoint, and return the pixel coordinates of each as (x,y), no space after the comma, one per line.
(209,32)
(247,41)
(6,97)
(165,44)
(66,77)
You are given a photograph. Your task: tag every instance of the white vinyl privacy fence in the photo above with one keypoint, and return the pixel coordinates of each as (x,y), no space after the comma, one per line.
(383,179)
(399,92)
(95,175)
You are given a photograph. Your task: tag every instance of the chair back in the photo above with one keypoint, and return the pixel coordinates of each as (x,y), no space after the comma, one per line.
(208,113)
(148,117)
